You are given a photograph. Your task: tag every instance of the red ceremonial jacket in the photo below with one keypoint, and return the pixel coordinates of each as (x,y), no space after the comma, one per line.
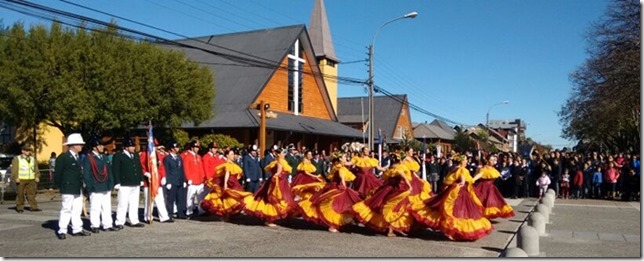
(193,168)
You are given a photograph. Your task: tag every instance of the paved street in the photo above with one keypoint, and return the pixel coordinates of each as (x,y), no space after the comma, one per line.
(32,234)
(592,228)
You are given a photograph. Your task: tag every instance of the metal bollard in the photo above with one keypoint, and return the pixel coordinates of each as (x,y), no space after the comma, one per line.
(538,222)
(528,240)
(548,201)
(514,252)
(545,211)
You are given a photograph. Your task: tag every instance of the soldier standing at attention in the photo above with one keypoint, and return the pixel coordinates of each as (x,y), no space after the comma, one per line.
(128,177)
(99,181)
(68,176)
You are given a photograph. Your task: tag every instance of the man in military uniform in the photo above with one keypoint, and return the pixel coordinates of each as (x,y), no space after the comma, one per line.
(24,171)
(68,176)
(159,199)
(293,161)
(252,170)
(128,177)
(175,181)
(99,181)
(195,177)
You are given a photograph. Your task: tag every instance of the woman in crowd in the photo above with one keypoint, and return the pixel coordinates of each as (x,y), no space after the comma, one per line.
(306,183)
(331,206)
(493,203)
(363,166)
(387,208)
(227,195)
(273,200)
(457,211)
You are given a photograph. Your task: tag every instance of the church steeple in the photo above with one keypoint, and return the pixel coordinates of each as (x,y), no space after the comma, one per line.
(320,33)
(320,36)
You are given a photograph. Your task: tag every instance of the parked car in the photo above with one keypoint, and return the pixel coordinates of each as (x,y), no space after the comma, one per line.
(5,164)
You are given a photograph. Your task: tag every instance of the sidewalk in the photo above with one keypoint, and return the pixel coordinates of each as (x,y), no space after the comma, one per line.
(592,228)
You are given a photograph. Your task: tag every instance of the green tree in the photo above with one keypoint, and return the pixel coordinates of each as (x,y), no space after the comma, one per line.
(221,139)
(409,141)
(462,141)
(93,81)
(604,106)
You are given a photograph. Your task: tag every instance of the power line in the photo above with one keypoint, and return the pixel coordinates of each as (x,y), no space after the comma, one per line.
(248,61)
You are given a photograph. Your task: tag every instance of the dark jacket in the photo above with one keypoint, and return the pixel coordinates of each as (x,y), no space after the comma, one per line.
(174,170)
(94,179)
(293,161)
(127,171)
(68,175)
(320,166)
(268,158)
(251,168)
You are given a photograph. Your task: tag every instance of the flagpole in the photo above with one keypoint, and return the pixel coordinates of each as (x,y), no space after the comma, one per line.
(150,166)
(424,156)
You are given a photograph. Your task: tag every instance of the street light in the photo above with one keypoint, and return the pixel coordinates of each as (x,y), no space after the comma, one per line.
(487,116)
(370,80)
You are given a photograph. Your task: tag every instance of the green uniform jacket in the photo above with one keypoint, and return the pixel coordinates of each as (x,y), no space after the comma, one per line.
(95,182)
(68,175)
(293,162)
(127,171)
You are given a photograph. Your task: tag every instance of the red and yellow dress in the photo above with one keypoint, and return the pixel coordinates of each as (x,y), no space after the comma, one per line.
(420,188)
(229,201)
(304,186)
(331,206)
(456,211)
(273,200)
(388,205)
(493,203)
(365,182)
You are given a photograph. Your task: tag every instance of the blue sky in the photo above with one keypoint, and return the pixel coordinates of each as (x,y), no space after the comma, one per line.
(456,59)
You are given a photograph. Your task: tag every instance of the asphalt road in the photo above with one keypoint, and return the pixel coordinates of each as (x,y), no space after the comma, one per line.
(32,234)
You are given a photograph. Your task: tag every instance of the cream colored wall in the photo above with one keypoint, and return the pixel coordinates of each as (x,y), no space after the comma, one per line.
(52,141)
(331,82)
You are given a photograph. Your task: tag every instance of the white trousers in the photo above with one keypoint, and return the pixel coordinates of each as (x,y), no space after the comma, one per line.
(128,204)
(100,209)
(159,201)
(198,191)
(71,211)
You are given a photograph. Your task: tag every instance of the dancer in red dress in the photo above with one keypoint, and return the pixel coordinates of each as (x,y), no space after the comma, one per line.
(331,206)
(306,183)
(227,195)
(387,208)
(456,211)
(363,166)
(493,203)
(273,200)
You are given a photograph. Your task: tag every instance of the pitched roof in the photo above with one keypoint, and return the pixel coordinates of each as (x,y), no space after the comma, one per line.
(444,126)
(431,131)
(320,33)
(387,109)
(238,83)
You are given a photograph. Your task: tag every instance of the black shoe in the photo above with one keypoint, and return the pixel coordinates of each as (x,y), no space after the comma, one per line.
(113,229)
(95,230)
(138,225)
(168,221)
(60,236)
(83,233)
(36,210)
(118,227)
(182,217)
(20,210)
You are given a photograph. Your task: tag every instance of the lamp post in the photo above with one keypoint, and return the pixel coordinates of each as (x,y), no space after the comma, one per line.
(370,80)
(487,116)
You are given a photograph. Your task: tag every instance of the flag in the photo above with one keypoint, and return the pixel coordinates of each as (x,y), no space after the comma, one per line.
(379,145)
(153,168)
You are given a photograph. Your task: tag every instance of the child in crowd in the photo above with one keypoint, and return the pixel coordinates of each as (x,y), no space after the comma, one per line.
(565,184)
(542,183)
(597,182)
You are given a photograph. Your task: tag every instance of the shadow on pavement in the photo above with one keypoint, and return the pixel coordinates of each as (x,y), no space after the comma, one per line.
(495,249)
